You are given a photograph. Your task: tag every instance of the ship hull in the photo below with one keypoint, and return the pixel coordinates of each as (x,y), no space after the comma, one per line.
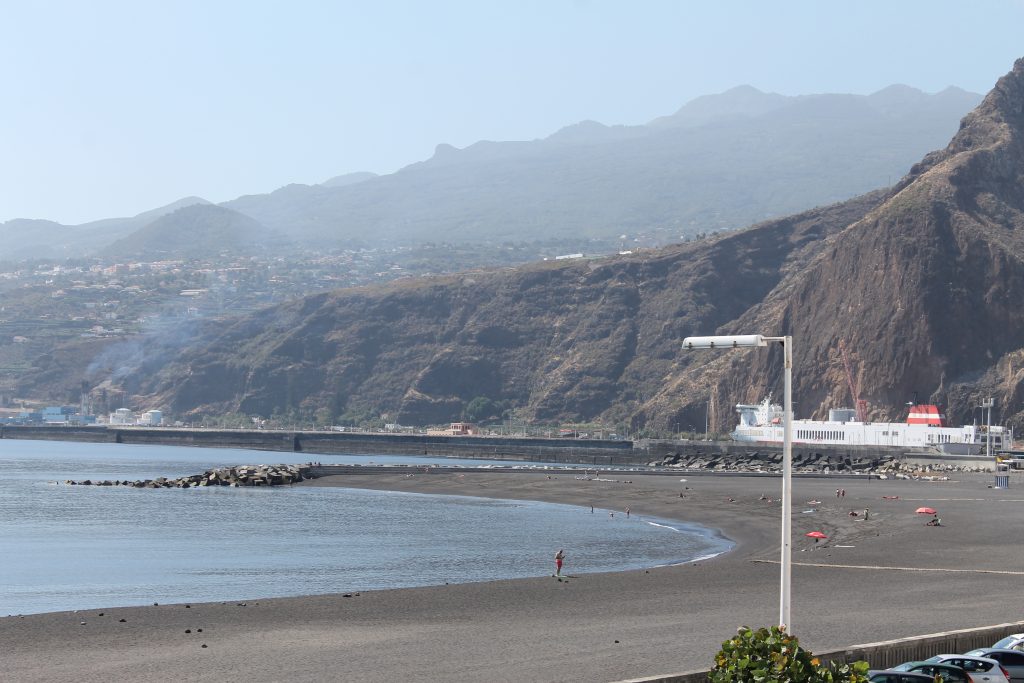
(952,440)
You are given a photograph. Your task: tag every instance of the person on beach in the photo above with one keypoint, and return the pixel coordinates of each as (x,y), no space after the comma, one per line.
(559,557)
(627,511)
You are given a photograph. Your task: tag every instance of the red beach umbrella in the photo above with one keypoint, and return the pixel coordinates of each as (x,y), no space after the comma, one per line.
(816,534)
(926,511)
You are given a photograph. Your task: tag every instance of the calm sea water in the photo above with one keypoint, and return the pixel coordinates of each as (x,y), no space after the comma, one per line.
(75,547)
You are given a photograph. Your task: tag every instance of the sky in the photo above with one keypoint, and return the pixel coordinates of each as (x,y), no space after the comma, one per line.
(111,108)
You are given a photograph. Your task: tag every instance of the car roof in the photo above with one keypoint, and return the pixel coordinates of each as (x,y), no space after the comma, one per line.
(997,649)
(941,664)
(968,656)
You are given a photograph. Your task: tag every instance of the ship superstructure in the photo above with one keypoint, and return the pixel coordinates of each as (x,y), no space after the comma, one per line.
(925,428)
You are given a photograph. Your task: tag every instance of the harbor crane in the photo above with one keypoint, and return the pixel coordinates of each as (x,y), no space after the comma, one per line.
(860,405)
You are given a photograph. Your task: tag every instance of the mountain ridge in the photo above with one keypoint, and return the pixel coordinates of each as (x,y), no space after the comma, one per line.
(921,281)
(720,162)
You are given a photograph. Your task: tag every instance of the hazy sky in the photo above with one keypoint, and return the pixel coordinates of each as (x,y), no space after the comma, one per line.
(112,108)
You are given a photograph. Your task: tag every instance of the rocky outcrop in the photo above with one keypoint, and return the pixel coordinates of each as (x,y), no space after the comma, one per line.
(241,475)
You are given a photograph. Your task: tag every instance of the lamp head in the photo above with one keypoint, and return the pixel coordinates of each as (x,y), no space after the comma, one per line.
(740,341)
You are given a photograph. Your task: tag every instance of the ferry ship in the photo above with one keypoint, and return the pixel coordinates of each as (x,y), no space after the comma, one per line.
(925,428)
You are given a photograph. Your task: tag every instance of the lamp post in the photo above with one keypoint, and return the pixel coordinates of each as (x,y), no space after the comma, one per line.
(988,403)
(748,341)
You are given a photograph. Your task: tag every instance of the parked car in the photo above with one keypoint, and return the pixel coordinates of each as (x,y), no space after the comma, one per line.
(1014,641)
(949,673)
(980,669)
(968,669)
(890,676)
(1011,660)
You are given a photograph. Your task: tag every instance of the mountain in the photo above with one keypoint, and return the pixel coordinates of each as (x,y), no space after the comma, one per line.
(922,282)
(743,101)
(28,238)
(194,231)
(564,340)
(348,179)
(720,162)
(924,289)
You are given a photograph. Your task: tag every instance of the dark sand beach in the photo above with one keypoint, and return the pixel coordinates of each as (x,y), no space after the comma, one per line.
(898,578)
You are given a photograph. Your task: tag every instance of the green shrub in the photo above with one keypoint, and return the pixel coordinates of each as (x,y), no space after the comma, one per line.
(769,655)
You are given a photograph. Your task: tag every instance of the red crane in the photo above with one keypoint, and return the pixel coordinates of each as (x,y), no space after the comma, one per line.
(860,405)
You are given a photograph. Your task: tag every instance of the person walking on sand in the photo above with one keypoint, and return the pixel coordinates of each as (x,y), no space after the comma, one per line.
(559,557)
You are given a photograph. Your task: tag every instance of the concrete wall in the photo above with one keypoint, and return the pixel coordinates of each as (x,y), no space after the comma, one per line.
(43,433)
(590,451)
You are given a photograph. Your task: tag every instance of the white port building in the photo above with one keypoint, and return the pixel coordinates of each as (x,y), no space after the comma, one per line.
(122,416)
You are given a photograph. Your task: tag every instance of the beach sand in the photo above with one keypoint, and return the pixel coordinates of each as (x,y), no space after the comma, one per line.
(593,627)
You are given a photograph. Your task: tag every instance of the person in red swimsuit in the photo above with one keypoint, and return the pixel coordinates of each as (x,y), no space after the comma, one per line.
(559,556)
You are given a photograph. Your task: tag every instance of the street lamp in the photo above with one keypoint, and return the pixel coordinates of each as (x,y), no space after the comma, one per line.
(748,341)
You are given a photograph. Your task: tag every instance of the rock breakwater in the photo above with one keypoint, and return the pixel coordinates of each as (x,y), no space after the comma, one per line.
(811,462)
(240,475)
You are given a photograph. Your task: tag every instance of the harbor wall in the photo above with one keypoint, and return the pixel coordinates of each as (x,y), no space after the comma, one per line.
(599,453)
(592,451)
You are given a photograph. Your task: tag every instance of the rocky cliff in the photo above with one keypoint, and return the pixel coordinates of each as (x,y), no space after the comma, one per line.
(923,283)
(925,289)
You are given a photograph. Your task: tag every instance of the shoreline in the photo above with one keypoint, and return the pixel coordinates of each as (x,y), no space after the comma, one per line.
(665,619)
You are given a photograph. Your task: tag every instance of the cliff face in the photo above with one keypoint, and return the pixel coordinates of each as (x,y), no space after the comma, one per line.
(925,289)
(923,283)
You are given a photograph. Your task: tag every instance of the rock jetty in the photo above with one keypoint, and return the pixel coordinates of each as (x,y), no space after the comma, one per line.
(240,475)
(809,462)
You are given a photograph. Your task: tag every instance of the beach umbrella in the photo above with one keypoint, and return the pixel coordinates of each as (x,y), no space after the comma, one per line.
(816,534)
(926,511)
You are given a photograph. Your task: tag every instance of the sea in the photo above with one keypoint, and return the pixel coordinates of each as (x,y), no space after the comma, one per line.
(80,547)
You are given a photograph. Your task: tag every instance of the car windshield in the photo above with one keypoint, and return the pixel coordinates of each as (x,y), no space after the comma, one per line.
(936,658)
(1008,641)
(905,666)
